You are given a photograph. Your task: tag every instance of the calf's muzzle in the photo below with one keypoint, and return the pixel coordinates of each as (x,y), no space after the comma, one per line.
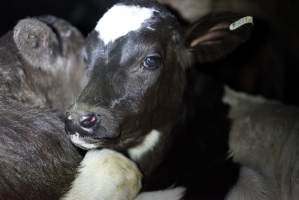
(86,125)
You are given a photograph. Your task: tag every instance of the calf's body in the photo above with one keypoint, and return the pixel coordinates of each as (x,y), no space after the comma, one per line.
(264,139)
(40,74)
(37,160)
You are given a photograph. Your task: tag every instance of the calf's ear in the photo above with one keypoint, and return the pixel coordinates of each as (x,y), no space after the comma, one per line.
(36,42)
(216,35)
(47,42)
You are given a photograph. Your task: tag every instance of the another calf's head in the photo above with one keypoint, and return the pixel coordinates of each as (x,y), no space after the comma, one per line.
(50,50)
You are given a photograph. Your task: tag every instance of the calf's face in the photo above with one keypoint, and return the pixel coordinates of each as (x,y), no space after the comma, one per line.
(136,79)
(136,57)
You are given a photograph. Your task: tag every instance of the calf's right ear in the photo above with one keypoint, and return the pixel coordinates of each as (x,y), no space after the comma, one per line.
(216,35)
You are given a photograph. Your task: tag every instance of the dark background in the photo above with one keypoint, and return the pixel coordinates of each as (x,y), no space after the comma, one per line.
(83,14)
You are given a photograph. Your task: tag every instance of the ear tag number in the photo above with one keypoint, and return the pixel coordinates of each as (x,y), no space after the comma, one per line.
(241,22)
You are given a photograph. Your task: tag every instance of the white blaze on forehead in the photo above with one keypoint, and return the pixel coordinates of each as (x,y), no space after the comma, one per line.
(120,20)
(148,143)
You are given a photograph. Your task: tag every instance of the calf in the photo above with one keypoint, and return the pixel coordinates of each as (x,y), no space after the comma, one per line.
(135,100)
(40,73)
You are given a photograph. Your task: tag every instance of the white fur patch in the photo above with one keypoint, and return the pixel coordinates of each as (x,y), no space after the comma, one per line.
(149,142)
(170,194)
(120,20)
(79,142)
(105,175)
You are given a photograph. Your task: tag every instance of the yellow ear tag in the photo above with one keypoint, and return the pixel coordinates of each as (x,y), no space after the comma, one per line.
(241,22)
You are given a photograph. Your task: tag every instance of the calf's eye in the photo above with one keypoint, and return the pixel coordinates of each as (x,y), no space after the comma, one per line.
(152,62)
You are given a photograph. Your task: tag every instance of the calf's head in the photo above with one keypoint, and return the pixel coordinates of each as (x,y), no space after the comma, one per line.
(137,57)
(49,53)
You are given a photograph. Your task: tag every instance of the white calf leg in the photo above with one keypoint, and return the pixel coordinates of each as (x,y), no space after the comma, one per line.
(105,175)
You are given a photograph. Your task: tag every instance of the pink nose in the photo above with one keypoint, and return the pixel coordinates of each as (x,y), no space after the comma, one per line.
(88,121)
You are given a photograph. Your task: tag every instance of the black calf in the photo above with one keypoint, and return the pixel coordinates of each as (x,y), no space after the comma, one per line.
(137,58)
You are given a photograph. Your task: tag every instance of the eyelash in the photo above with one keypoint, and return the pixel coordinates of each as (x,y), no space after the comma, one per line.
(152,62)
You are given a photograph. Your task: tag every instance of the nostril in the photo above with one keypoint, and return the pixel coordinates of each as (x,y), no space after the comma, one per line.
(88,121)
(68,117)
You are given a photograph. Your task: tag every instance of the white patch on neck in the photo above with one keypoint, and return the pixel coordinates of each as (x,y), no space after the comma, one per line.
(120,20)
(149,142)
(79,142)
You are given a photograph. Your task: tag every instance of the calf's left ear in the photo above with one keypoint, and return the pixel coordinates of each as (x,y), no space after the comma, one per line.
(216,35)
